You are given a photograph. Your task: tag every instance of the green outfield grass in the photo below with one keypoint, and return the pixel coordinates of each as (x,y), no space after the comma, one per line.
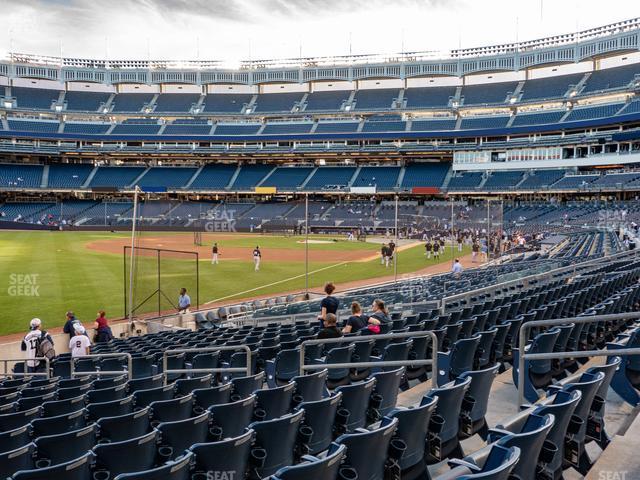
(44,274)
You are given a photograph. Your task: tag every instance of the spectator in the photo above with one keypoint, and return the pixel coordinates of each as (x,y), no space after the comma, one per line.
(457,268)
(357,321)
(184,301)
(80,345)
(329,303)
(37,343)
(330,329)
(379,317)
(103,331)
(68,326)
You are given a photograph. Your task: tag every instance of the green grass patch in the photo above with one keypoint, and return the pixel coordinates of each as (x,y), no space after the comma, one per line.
(70,276)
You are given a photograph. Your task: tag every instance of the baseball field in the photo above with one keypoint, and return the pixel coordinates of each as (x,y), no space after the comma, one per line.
(44,274)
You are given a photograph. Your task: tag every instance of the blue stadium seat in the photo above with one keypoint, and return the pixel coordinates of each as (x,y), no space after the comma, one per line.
(59,424)
(413,427)
(275,444)
(176,437)
(355,401)
(12,439)
(458,360)
(76,469)
(311,387)
(16,459)
(110,409)
(243,387)
(230,419)
(231,455)
(173,470)
(367,449)
(444,427)
(204,398)
(473,421)
(538,373)
(144,398)
(319,417)
(561,406)
(283,368)
(57,449)
(312,468)
(273,402)
(588,384)
(529,438)
(133,455)
(12,421)
(145,383)
(387,388)
(337,376)
(106,394)
(171,410)
(123,427)
(56,408)
(498,463)
(184,386)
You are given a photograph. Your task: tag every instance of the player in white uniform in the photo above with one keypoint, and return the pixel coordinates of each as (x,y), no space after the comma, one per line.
(257,256)
(80,345)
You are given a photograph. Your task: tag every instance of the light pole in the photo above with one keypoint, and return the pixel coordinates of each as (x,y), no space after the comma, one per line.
(395,252)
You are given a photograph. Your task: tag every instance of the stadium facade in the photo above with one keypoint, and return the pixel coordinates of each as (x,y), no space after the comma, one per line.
(555,116)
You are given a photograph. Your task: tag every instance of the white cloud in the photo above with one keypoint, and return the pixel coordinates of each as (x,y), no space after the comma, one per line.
(239,29)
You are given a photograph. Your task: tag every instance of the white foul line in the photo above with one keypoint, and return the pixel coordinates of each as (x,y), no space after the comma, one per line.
(273,283)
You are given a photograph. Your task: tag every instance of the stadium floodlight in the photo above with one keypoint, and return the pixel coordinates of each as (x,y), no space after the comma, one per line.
(8,104)
(58,108)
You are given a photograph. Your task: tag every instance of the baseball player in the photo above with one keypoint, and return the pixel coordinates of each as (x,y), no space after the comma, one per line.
(428,248)
(257,256)
(214,254)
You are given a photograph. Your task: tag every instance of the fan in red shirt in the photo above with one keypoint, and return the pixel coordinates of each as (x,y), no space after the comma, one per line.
(103,331)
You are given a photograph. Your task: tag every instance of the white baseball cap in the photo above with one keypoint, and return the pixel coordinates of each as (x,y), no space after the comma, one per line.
(79,328)
(35,322)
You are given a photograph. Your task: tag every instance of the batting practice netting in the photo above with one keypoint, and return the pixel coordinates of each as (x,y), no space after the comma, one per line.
(155,274)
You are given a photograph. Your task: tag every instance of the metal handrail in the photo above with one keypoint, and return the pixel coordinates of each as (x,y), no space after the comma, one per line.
(5,362)
(128,372)
(524,334)
(395,363)
(247,369)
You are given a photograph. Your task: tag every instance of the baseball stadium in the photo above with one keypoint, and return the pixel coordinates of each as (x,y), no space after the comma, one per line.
(362,266)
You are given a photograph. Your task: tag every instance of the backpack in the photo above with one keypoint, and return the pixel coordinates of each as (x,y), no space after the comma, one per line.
(45,347)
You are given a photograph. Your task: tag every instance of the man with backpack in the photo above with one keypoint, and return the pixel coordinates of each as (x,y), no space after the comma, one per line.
(37,343)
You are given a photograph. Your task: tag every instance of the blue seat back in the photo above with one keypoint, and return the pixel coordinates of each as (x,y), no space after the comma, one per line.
(367,452)
(277,439)
(311,468)
(413,425)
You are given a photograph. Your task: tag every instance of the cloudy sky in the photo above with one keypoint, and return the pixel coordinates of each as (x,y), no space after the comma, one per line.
(231,30)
